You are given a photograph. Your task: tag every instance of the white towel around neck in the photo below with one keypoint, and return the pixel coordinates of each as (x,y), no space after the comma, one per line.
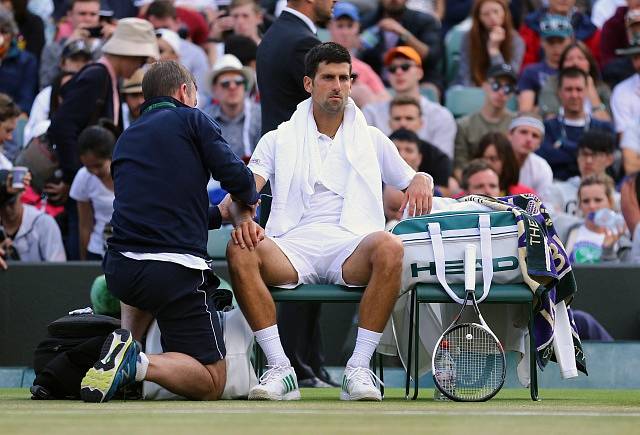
(297,160)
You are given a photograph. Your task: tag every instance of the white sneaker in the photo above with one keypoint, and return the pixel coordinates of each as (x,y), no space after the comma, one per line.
(277,383)
(358,383)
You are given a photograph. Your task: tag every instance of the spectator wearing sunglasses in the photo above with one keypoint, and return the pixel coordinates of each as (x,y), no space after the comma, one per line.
(238,117)
(405,72)
(564,131)
(557,34)
(597,95)
(533,29)
(493,116)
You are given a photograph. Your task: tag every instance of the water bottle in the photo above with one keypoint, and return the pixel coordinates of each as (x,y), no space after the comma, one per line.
(370,37)
(446,375)
(607,218)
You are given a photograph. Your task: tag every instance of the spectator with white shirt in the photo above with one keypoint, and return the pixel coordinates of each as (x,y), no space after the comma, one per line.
(526,133)
(92,188)
(405,71)
(625,99)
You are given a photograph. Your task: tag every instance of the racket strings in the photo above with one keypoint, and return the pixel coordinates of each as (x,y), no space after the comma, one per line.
(469,363)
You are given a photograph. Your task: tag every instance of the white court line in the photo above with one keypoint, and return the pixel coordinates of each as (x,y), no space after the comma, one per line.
(102,412)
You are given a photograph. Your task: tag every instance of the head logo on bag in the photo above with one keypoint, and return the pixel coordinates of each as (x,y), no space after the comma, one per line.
(453,267)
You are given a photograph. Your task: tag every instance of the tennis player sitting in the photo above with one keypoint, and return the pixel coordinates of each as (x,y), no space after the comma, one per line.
(326,167)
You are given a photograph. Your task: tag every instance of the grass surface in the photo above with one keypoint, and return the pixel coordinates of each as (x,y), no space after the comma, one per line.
(564,412)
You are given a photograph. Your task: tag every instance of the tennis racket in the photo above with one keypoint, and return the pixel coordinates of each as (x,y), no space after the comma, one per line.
(468,361)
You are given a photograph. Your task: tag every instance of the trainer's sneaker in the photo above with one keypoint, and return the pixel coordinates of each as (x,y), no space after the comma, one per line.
(277,383)
(358,383)
(115,368)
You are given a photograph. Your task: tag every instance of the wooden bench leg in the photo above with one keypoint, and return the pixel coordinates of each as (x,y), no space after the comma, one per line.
(410,347)
(533,366)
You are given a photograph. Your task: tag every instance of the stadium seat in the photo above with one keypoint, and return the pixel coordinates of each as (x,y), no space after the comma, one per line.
(462,100)
(18,133)
(499,294)
(452,43)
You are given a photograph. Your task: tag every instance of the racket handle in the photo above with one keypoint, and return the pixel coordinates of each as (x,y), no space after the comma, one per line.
(470,267)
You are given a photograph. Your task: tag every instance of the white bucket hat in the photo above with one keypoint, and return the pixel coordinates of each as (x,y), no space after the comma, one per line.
(133,37)
(172,38)
(230,63)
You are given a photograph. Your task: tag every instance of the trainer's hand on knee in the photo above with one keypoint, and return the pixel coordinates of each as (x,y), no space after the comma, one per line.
(247,234)
(418,196)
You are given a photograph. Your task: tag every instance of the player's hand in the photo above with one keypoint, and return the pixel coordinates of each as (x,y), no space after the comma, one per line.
(246,232)
(418,196)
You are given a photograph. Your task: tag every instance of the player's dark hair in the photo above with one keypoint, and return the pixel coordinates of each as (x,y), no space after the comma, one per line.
(328,52)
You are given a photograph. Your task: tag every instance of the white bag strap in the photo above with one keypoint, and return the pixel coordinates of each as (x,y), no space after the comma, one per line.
(438,256)
(484,222)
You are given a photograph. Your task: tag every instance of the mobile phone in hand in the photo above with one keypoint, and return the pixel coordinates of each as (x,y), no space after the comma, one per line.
(95,32)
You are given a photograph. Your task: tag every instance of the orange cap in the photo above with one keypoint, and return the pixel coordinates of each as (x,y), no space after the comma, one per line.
(404,51)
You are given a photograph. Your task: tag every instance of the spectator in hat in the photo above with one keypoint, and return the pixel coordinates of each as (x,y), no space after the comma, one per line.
(393,25)
(404,66)
(556,33)
(493,116)
(615,35)
(564,131)
(526,133)
(344,28)
(168,44)
(625,102)
(597,94)
(75,55)
(131,91)
(93,95)
(18,68)
(238,117)
(533,29)
(162,14)
(82,16)
(492,40)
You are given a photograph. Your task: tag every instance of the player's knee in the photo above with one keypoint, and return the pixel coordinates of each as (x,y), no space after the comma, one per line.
(238,257)
(389,251)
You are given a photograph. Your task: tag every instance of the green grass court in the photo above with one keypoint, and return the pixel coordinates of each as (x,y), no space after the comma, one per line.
(564,412)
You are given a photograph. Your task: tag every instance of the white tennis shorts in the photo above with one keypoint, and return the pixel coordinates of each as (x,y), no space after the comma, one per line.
(317,252)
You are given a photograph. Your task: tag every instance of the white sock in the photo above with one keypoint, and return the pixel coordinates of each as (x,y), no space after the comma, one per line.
(366,344)
(141,367)
(269,341)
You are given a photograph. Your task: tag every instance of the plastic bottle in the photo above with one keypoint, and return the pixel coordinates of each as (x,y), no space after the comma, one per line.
(447,374)
(607,218)
(370,37)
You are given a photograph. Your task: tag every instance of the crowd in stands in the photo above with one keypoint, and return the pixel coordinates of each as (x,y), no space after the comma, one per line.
(491,97)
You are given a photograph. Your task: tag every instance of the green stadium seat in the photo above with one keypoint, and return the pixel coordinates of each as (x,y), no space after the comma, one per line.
(430,94)
(462,100)
(452,43)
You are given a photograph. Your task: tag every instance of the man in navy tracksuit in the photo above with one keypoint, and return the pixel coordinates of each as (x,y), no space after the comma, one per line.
(155,259)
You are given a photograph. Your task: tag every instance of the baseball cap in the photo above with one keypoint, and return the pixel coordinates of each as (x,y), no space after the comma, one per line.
(555,26)
(343,9)
(501,70)
(404,51)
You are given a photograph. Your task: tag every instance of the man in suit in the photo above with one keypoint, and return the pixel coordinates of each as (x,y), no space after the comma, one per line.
(280,70)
